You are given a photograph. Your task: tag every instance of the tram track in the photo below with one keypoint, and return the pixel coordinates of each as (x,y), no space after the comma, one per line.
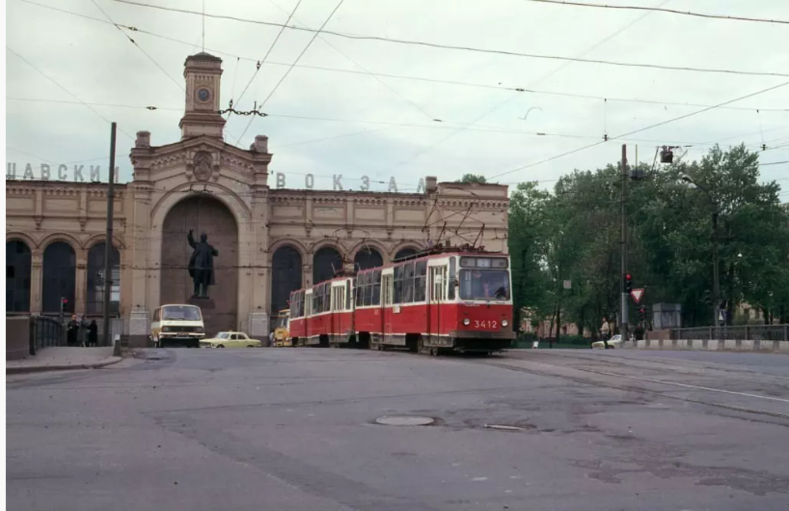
(590,381)
(673,365)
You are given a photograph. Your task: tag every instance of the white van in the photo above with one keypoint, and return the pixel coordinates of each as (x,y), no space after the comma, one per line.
(177,324)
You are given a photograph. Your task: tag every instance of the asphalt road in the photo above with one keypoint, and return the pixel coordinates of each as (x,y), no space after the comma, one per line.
(294,429)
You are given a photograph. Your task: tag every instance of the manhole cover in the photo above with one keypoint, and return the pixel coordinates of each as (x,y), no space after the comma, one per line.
(403,420)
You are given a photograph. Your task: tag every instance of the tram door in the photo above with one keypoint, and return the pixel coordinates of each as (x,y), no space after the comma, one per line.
(387,314)
(438,277)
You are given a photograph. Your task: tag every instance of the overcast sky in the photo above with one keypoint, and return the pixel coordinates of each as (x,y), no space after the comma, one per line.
(387,126)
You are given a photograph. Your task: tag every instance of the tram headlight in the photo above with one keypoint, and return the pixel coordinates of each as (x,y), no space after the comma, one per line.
(504,322)
(466,321)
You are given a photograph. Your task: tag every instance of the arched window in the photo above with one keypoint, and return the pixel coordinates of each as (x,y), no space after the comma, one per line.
(285,276)
(95,291)
(404,252)
(367,258)
(17,276)
(325,262)
(60,276)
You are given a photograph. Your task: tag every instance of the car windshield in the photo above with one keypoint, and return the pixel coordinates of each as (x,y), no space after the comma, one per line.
(484,285)
(223,335)
(181,313)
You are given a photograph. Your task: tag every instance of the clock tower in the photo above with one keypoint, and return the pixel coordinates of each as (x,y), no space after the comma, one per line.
(203,74)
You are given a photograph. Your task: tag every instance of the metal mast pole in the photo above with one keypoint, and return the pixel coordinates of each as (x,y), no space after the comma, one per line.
(108,244)
(623,248)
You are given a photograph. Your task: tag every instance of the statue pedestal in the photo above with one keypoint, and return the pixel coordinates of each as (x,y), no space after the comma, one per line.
(204,303)
(258,325)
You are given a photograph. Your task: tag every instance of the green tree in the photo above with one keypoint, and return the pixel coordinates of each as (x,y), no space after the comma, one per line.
(468,179)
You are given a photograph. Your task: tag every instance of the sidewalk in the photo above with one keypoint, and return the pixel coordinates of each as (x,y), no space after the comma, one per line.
(61,359)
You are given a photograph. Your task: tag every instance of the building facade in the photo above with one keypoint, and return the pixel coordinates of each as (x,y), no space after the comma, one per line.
(270,240)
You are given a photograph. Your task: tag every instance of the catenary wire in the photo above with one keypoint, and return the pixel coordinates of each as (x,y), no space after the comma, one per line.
(462,48)
(284,76)
(659,9)
(662,123)
(61,87)
(177,84)
(414,78)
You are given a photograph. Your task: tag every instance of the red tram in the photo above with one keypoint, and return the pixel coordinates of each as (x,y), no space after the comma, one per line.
(450,300)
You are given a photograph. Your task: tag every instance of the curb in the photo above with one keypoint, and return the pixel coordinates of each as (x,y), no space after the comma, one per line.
(42,369)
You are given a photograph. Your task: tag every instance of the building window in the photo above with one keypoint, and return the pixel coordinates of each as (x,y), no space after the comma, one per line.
(60,277)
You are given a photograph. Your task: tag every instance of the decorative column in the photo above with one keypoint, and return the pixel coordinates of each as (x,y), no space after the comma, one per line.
(258,288)
(36,281)
(139,320)
(80,295)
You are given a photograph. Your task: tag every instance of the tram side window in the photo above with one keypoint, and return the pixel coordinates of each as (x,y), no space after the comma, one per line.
(408,283)
(326,295)
(398,284)
(452,278)
(348,294)
(359,289)
(376,285)
(420,280)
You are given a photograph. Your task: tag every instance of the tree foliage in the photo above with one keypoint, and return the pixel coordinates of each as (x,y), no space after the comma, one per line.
(573,234)
(468,179)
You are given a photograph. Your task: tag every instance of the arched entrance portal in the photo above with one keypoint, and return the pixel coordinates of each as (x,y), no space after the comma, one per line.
(17,276)
(285,277)
(367,258)
(326,261)
(210,216)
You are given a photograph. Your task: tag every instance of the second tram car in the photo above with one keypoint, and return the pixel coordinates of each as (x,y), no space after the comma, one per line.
(450,300)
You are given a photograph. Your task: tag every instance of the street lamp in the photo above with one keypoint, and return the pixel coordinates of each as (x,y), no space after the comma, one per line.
(715,277)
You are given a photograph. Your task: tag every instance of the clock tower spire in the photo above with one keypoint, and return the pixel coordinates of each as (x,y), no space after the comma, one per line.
(203,74)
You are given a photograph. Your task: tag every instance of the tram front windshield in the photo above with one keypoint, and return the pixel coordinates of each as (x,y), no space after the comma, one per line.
(484,285)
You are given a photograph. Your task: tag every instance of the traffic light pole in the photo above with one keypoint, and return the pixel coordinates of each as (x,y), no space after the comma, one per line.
(623,248)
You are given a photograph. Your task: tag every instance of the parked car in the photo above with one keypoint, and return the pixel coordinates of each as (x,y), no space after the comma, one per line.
(613,342)
(231,340)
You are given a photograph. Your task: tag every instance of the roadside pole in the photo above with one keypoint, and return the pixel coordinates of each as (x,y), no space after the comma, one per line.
(108,244)
(623,248)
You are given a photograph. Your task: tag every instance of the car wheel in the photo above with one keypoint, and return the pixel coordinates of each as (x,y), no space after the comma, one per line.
(250,346)
(221,346)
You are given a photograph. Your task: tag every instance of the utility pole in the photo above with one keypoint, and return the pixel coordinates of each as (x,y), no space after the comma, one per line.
(623,248)
(716,285)
(108,244)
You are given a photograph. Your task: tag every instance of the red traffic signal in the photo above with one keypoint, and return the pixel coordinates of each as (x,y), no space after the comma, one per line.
(628,282)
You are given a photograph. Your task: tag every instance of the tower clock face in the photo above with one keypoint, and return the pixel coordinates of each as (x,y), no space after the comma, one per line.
(203,94)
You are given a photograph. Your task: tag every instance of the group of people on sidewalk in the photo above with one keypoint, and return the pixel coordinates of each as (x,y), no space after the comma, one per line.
(81,333)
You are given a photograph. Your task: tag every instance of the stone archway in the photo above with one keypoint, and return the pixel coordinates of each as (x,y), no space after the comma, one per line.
(202,215)
(285,276)
(325,263)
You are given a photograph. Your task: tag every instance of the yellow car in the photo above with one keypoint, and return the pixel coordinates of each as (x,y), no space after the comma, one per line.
(230,340)
(281,332)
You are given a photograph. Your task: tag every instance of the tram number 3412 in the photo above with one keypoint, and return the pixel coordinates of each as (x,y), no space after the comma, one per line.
(486,323)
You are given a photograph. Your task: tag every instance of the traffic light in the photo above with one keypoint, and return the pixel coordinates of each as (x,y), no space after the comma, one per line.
(628,282)
(642,313)
(63,304)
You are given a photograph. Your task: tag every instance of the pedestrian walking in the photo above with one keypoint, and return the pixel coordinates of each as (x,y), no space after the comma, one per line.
(72,332)
(93,334)
(271,339)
